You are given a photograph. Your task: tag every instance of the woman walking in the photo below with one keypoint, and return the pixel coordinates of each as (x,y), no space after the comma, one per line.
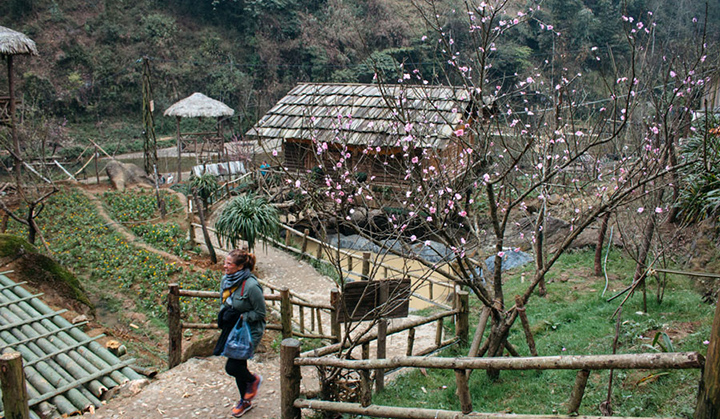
(242,298)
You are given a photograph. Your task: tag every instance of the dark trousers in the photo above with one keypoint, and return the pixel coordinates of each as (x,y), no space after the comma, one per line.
(238,369)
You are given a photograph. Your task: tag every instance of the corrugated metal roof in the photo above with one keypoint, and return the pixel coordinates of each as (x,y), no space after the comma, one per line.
(362,112)
(66,371)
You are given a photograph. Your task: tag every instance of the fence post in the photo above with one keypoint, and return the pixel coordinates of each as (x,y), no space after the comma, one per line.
(411,341)
(366,265)
(334,315)
(365,391)
(287,238)
(190,219)
(463,391)
(381,353)
(289,378)
(319,253)
(12,383)
(285,313)
(350,262)
(303,249)
(462,326)
(174,326)
(708,402)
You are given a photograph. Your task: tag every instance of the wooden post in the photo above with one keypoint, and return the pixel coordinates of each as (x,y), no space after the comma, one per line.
(430,291)
(301,311)
(303,249)
(319,321)
(411,341)
(366,265)
(708,402)
(319,253)
(179,151)
(439,332)
(463,391)
(381,353)
(334,313)
(350,263)
(526,325)
(287,238)
(365,385)
(462,326)
(97,174)
(285,313)
(190,219)
(290,377)
(479,331)
(385,270)
(174,327)
(577,392)
(12,384)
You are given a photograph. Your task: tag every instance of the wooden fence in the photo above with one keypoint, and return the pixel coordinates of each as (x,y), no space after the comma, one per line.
(352,260)
(708,400)
(288,304)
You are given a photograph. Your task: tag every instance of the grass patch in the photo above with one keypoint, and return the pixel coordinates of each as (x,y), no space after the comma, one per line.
(81,241)
(575,319)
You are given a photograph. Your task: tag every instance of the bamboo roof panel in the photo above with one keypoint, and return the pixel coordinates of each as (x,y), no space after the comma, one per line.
(65,369)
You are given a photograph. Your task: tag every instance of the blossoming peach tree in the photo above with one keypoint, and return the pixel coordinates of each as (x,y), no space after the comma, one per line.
(475,171)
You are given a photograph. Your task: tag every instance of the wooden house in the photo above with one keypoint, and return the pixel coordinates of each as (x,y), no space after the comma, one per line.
(370,122)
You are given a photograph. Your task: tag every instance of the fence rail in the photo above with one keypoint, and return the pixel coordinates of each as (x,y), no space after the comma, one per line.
(288,304)
(365,262)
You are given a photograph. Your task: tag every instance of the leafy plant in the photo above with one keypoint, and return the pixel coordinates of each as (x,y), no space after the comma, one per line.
(247,218)
(205,185)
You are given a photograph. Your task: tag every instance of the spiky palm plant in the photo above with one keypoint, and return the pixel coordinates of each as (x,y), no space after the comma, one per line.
(205,185)
(700,195)
(247,217)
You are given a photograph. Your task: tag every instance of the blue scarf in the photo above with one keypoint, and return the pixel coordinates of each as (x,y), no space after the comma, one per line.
(233,281)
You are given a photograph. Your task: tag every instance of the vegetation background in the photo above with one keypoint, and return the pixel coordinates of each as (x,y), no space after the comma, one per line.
(248,54)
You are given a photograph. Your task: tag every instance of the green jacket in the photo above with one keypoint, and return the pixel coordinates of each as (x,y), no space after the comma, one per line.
(250,302)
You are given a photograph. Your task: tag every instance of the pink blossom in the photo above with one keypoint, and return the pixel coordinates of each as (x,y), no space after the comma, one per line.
(460,132)
(413,237)
(275,153)
(463,213)
(658,210)
(640,210)
(501,254)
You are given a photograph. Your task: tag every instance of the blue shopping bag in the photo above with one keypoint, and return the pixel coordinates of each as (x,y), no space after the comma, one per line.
(239,343)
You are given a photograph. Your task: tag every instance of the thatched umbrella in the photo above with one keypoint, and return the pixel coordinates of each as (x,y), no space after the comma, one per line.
(196,105)
(14,43)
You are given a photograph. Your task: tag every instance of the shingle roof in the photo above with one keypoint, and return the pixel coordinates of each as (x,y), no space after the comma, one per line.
(364,114)
(66,371)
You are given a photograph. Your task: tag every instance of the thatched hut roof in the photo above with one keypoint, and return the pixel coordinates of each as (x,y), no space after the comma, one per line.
(15,43)
(198,105)
(365,113)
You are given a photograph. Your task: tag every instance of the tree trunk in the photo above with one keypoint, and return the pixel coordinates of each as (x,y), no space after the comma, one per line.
(31,226)
(600,243)
(206,235)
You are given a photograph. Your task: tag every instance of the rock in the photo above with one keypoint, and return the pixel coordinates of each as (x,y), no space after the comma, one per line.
(122,175)
(128,389)
(79,319)
(554,199)
(511,259)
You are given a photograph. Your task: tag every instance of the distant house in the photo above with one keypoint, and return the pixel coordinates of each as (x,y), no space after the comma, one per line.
(368,121)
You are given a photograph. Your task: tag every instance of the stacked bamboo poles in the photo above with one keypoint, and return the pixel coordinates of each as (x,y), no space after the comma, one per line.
(56,352)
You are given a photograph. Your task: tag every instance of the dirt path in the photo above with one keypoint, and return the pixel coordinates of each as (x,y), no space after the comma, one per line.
(200,388)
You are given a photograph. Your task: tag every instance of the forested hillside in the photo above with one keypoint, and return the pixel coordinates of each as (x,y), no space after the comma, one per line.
(250,53)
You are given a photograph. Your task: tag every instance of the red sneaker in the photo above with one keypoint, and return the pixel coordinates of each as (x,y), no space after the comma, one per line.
(241,408)
(252,388)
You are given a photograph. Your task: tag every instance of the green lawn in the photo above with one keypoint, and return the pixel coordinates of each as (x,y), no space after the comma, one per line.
(574,319)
